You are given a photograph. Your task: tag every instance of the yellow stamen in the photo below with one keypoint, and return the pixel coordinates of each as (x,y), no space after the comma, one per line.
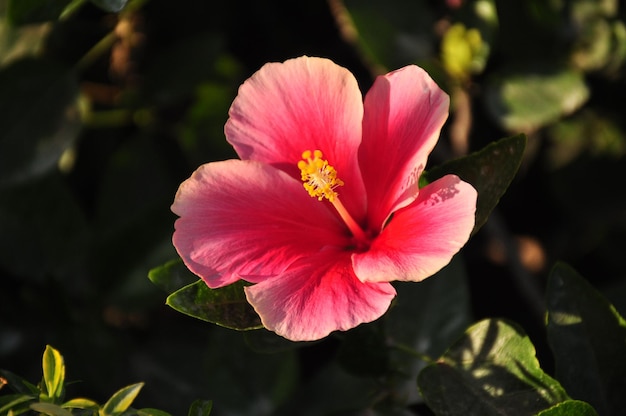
(320,180)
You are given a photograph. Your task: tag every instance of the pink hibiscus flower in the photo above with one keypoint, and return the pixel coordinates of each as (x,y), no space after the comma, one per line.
(321,256)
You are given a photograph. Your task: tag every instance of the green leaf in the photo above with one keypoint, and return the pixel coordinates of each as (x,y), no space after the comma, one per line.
(39,117)
(569,408)
(121,400)
(172,276)
(489,170)
(80,403)
(201,408)
(21,12)
(491,370)
(588,339)
(53,373)
(110,5)
(50,409)
(11,401)
(528,101)
(151,412)
(18,384)
(226,306)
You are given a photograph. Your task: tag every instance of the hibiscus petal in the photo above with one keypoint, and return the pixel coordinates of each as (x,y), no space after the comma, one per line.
(317,296)
(244,219)
(423,237)
(301,104)
(403,115)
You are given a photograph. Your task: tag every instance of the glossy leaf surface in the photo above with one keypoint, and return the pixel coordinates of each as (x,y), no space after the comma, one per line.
(490,170)
(491,370)
(226,306)
(80,403)
(121,400)
(53,373)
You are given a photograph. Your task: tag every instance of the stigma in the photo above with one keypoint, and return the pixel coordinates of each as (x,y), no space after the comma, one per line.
(320,178)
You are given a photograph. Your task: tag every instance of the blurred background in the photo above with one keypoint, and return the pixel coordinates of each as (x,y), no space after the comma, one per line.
(107,105)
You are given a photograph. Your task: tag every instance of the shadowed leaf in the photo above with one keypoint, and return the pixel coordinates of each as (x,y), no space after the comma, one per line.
(151,412)
(201,408)
(491,370)
(226,306)
(12,401)
(18,384)
(172,276)
(588,339)
(489,170)
(49,409)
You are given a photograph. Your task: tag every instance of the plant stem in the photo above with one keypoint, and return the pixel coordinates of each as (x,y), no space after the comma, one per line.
(408,350)
(96,51)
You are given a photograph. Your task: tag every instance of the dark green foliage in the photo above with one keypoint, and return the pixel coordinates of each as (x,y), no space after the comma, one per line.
(107,105)
(489,170)
(491,370)
(225,306)
(588,338)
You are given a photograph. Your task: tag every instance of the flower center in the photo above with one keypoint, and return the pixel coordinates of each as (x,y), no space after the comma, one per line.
(320,180)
